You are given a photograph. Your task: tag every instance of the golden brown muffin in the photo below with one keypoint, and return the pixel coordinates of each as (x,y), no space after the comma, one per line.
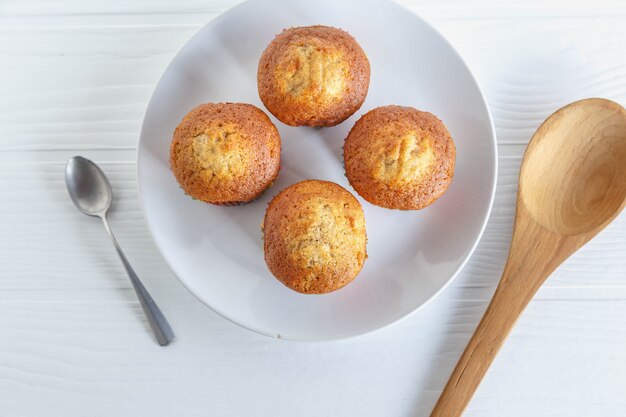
(399,157)
(315,237)
(225,153)
(313,76)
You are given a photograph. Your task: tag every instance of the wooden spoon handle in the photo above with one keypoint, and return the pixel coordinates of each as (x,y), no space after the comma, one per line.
(501,315)
(534,255)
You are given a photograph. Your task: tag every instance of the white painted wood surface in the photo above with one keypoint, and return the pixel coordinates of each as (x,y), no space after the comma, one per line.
(76,77)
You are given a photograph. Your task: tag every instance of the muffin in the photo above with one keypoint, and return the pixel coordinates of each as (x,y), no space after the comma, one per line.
(225,153)
(399,157)
(314,237)
(313,76)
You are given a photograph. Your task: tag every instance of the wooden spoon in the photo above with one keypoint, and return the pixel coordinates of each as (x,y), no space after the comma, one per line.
(572,184)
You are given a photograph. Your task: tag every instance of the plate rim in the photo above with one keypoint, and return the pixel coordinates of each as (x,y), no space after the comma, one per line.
(352,335)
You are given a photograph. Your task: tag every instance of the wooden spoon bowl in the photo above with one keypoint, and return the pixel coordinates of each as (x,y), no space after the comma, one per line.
(574,172)
(572,184)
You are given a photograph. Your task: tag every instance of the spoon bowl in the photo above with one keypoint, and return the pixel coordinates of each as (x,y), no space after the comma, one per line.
(572,184)
(88,187)
(573,179)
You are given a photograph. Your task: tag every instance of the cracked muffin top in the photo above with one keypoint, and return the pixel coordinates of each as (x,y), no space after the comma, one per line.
(399,157)
(313,76)
(314,237)
(225,153)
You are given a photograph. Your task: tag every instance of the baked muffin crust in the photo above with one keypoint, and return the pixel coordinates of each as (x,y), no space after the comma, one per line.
(399,157)
(225,153)
(313,76)
(314,237)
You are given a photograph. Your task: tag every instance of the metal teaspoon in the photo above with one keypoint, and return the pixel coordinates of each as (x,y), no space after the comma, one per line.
(91,192)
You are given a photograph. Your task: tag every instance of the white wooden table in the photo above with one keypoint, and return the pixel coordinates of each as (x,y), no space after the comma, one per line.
(75,78)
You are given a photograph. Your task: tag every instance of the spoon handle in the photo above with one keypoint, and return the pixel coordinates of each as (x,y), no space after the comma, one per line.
(490,335)
(161,328)
(534,254)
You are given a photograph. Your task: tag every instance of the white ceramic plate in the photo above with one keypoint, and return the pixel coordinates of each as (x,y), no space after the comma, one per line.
(217,252)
